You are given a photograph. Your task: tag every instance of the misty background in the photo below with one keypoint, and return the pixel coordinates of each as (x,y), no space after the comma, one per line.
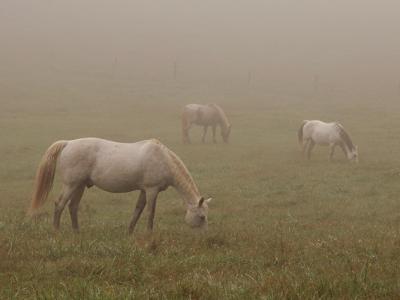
(343,48)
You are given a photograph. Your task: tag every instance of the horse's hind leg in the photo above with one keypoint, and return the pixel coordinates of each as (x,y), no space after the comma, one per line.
(306,143)
(58,208)
(186,137)
(311,145)
(66,195)
(306,148)
(141,203)
(74,205)
(204,134)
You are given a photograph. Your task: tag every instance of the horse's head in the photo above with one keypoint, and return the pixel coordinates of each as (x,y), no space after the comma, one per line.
(196,214)
(225,132)
(353,155)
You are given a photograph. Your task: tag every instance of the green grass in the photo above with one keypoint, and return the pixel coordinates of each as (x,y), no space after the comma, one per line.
(279,227)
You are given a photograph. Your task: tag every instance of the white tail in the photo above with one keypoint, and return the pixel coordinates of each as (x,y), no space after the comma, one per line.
(45,175)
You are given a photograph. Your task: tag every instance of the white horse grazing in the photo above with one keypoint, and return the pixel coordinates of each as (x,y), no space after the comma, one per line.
(205,115)
(148,166)
(321,133)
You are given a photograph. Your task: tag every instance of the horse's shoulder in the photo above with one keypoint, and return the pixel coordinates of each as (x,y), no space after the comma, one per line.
(338,125)
(214,107)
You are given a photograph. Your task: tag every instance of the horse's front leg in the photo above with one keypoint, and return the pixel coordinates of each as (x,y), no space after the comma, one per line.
(151,197)
(343,149)
(304,147)
(331,151)
(141,203)
(203,139)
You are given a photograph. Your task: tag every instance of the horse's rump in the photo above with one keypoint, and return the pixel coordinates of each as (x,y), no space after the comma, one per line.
(300,132)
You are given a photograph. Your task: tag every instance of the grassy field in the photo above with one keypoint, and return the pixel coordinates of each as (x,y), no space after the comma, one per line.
(279,227)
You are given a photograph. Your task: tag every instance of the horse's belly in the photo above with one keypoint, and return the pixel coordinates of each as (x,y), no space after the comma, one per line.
(117,178)
(116,184)
(321,138)
(116,187)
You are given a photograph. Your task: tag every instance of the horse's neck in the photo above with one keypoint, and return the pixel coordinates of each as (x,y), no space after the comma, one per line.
(222,122)
(347,148)
(345,138)
(189,195)
(221,118)
(182,181)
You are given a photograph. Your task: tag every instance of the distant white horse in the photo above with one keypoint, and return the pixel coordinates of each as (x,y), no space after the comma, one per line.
(333,134)
(205,115)
(148,166)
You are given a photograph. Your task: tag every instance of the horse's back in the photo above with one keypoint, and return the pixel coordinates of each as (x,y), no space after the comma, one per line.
(112,166)
(320,132)
(125,167)
(200,114)
(317,125)
(193,107)
(191,111)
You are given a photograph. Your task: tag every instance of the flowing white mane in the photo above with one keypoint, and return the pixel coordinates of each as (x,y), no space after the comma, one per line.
(182,179)
(345,137)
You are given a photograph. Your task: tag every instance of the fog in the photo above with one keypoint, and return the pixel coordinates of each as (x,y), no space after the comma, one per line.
(350,47)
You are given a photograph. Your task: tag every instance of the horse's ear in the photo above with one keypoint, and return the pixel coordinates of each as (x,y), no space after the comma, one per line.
(201,201)
(208,200)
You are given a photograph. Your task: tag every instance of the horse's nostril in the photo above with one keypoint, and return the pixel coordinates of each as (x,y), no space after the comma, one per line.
(202,217)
